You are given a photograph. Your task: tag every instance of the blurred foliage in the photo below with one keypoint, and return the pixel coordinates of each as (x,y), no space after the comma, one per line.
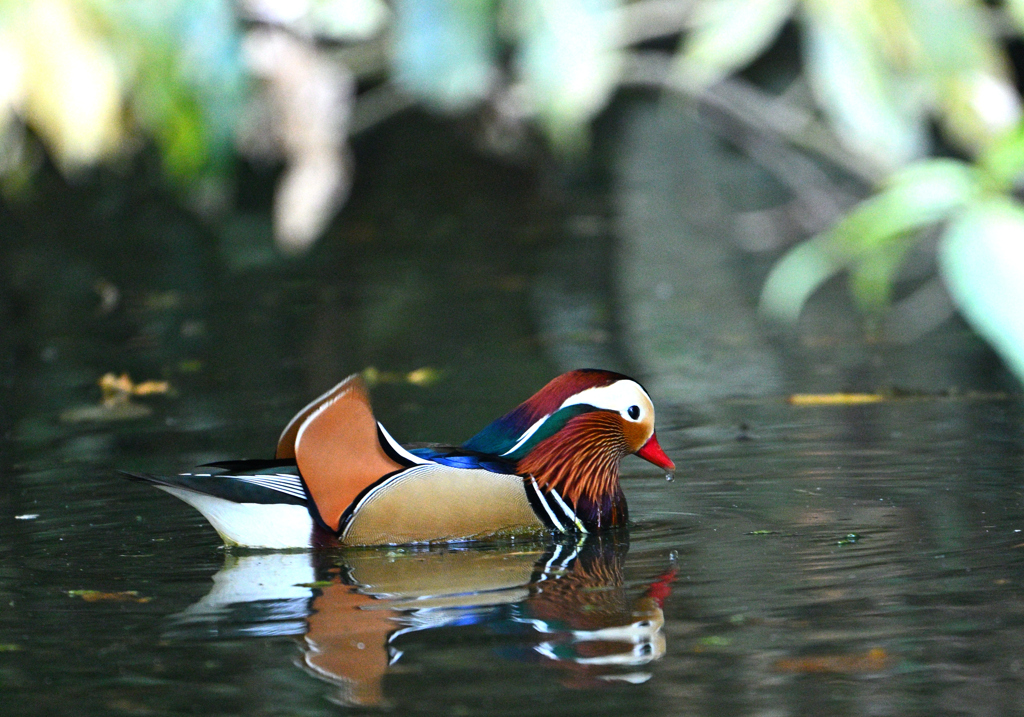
(564,57)
(92,77)
(898,83)
(882,72)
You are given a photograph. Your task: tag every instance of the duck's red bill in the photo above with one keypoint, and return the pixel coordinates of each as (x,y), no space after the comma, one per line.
(653,452)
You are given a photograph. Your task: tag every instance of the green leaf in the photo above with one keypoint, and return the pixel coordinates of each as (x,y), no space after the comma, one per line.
(344,20)
(876,112)
(726,36)
(872,276)
(953,36)
(569,61)
(445,51)
(982,261)
(922,194)
(967,69)
(796,276)
(1015,9)
(184,59)
(1003,160)
(871,239)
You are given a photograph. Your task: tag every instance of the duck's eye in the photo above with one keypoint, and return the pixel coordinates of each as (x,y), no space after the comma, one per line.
(634,412)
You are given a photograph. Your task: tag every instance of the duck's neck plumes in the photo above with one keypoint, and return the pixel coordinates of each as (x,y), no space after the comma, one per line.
(581,462)
(505,432)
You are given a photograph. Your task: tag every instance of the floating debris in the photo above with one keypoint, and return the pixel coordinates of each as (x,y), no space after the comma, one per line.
(891,394)
(849,539)
(99,596)
(424,376)
(834,399)
(116,402)
(715,641)
(120,389)
(874,660)
(109,294)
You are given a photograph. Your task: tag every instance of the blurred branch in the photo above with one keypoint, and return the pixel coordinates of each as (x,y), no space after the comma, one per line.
(754,108)
(821,201)
(367,60)
(924,310)
(377,105)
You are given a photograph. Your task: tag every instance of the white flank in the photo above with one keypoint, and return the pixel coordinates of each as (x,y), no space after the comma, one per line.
(252,525)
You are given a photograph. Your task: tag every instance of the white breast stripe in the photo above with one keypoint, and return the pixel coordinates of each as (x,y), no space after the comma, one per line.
(560,563)
(547,566)
(398,448)
(548,650)
(568,511)
(547,508)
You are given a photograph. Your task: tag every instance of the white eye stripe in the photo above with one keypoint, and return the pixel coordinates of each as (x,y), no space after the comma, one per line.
(618,397)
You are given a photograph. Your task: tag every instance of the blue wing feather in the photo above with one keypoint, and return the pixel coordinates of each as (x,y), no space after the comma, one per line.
(461,458)
(498,436)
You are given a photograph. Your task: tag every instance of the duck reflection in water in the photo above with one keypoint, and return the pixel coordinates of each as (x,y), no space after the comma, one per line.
(565,605)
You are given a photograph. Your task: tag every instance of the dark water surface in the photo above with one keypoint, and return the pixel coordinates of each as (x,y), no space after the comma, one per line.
(862,560)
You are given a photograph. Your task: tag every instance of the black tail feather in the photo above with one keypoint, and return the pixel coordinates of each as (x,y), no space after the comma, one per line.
(235,488)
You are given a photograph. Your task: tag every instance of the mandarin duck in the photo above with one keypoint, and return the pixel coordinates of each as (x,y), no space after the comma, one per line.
(338,477)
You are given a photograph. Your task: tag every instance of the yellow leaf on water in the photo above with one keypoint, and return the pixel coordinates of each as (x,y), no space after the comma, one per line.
(834,399)
(147,388)
(371,375)
(423,376)
(118,389)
